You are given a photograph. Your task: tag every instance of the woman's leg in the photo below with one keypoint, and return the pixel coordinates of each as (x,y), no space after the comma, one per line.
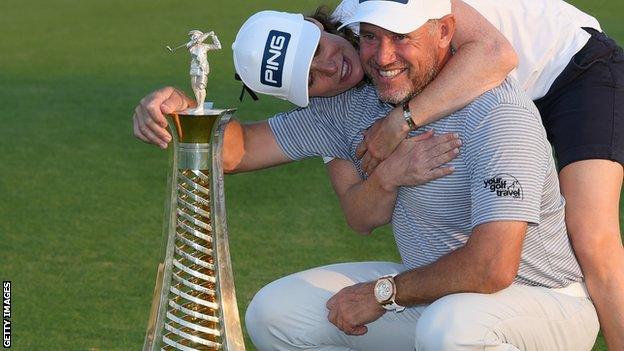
(592,192)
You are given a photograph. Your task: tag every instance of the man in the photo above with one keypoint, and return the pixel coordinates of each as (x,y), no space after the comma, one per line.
(575,74)
(486,259)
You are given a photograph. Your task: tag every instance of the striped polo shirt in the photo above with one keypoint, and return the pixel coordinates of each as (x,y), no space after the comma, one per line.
(504,172)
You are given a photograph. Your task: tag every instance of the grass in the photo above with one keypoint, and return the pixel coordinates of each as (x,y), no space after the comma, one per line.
(82,200)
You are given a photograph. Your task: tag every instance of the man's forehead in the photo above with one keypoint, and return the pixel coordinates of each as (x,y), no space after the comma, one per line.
(369,27)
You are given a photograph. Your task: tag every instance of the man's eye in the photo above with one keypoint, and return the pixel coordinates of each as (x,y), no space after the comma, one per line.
(400,37)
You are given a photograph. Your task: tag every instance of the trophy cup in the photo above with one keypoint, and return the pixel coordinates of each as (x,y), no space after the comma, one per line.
(194,304)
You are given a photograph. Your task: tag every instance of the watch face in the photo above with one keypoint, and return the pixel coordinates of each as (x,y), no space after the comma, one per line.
(383,290)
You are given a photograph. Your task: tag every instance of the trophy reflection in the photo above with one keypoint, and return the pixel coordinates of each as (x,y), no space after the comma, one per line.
(194,305)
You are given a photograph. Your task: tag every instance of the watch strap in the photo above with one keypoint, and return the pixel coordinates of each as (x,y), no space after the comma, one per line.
(393,307)
(407,116)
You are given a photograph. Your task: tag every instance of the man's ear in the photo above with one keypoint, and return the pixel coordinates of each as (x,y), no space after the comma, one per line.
(446,27)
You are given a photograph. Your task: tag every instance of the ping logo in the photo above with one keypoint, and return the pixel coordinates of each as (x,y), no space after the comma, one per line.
(273,58)
(399,1)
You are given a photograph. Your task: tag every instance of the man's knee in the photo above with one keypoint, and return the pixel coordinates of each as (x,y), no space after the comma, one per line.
(265,318)
(446,325)
(283,313)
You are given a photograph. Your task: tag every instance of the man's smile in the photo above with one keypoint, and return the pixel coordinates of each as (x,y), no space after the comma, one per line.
(390,73)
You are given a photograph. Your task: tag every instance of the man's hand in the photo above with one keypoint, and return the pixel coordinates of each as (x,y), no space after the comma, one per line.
(149,120)
(381,139)
(417,160)
(353,307)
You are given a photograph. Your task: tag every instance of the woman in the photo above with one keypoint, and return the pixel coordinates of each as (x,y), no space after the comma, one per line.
(298,59)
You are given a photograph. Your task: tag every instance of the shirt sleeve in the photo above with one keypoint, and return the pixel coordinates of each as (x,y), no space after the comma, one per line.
(317,130)
(507,157)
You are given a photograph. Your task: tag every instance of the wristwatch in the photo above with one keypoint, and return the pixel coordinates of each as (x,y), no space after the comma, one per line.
(385,293)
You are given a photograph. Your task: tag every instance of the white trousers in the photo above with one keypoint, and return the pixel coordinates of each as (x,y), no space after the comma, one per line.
(290,314)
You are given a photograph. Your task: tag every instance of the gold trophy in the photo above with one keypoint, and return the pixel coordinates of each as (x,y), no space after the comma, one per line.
(194,304)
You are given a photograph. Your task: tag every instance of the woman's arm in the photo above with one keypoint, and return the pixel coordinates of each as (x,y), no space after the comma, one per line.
(246,147)
(249,147)
(482,60)
(368,204)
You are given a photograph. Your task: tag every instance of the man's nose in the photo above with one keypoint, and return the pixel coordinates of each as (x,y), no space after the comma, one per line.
(327,67)
(385,53)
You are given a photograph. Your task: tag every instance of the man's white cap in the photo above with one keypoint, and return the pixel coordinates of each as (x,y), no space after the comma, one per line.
(344,11)
(273,52)
(398,16)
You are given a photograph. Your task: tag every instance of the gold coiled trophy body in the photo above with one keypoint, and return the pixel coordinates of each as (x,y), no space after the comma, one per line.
(194,305)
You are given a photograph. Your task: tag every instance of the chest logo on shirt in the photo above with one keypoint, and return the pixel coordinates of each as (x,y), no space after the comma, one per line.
(504,185)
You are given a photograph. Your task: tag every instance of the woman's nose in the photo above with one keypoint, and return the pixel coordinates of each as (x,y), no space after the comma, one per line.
(327,67)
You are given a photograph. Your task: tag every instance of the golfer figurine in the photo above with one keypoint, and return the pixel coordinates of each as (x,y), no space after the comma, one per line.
(199,64)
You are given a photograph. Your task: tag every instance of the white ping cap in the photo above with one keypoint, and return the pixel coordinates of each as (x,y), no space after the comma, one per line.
(273,52)
(398,16)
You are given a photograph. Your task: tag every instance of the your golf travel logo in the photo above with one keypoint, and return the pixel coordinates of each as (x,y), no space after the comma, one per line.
(273,58)
(399,1)
(504,185)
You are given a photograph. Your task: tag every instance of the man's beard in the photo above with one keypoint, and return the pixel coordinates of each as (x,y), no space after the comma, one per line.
(407,92)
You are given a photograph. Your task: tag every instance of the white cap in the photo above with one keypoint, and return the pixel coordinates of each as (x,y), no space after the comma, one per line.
(273,52)
(398,16)
(344,11)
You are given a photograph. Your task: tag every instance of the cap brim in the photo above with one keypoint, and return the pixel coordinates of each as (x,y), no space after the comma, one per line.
(306,47)
(402,25)
(399,17)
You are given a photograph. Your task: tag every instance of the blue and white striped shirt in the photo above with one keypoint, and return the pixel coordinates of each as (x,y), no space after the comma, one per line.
(505,171)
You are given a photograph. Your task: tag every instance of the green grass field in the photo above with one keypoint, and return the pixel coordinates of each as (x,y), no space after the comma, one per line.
(82,200)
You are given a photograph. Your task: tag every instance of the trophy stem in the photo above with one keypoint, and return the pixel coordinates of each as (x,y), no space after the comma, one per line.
(194,306)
